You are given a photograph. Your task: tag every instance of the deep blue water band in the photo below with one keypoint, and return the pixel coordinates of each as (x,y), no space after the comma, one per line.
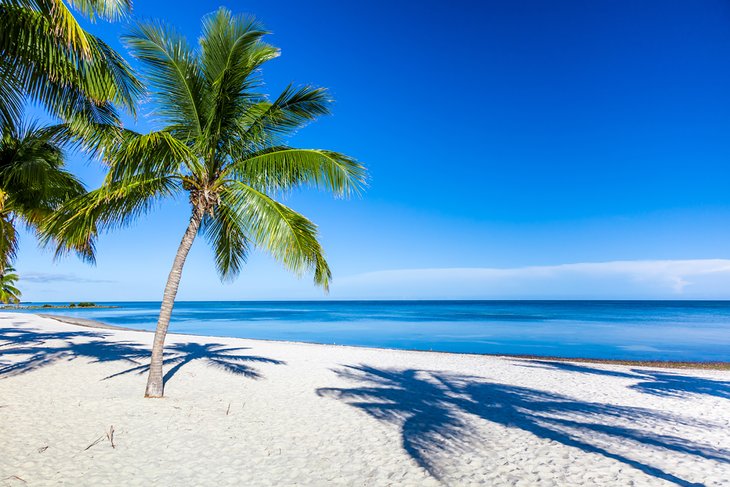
(629,330)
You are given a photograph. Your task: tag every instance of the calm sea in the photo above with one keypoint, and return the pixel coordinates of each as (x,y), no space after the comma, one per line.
(640,330)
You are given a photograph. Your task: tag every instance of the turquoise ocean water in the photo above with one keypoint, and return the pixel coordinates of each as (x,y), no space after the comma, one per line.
(638,330)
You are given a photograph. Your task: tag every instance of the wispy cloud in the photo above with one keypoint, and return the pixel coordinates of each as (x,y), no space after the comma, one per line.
(616,279)
(42,277)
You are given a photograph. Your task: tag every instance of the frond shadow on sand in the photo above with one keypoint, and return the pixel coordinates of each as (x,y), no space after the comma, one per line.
(24,350)
(435,412)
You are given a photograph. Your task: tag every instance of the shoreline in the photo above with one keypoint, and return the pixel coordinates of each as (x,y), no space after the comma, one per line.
(88,323)
(253,412)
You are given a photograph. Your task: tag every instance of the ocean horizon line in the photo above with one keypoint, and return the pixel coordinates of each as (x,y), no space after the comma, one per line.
(343,300)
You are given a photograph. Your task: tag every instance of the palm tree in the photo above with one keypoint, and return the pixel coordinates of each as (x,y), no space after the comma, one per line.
(222,144)
(33,181)
(47,57)
(8,292)
(45,54)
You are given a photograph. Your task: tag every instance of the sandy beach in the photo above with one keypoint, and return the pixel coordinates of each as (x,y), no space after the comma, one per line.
(246,412)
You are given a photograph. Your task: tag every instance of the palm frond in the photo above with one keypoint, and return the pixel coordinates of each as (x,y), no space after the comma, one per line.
(11,99)
(67,27)
(75,225)
(8,292)
(32,174)
(173,75)
(225,230)
(8,239)
(157,153)
(115,75)
(282,168)
(63,23)
(111,10)
(96,139)
(10,288)
(288,236)
(232,51)
(265,123)
(41,62)
(33,181)
(232,46)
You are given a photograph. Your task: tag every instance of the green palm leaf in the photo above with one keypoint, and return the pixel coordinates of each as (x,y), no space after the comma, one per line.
(33,181)
(231,52)
(288,236)
(8,292)
(74,226)
(156,153)
(226,232)
(265,124)
(173,74)
(110,10)
(283,168)
(49,57)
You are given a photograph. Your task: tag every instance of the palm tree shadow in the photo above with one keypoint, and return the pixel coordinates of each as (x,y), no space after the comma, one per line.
(676,385)
(655,382)
(26,350)
(435,413)
(213,354)
(15,337)
(23,350)
(573,367)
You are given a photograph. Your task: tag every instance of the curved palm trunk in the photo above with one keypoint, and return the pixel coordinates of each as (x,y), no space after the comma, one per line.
(155,384)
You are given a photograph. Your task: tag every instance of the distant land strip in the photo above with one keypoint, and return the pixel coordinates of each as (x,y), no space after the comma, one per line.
(59,306)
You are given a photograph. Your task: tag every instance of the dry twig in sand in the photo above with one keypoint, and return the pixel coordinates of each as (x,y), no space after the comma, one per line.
(16,478)
(96,441)
(109,435)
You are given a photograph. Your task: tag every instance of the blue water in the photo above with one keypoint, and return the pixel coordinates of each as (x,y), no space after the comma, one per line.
(638,330)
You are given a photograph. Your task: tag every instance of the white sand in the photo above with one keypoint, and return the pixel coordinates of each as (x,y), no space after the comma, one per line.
(330,415)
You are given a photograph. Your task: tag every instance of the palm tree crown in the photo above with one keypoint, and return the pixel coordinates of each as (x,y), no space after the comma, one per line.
(48,58)
(33,181)
(223,144)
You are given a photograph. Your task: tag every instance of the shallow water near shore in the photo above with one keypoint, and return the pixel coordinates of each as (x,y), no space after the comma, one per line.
(622,330)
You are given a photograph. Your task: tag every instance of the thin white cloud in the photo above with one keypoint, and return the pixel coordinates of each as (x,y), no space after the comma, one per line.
(43,277)
(670,279)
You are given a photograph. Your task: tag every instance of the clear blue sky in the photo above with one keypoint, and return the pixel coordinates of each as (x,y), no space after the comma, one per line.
(499,135)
